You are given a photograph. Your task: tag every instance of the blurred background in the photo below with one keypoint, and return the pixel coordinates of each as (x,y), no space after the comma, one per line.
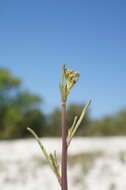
(36,38)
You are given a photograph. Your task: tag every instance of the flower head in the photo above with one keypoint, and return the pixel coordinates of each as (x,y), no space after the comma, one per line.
(71,78)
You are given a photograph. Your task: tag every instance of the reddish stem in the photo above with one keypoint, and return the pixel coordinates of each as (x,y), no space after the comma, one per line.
(64,149)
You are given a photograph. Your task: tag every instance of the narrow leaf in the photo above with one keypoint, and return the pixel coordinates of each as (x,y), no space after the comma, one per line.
(71,128)
(53,164)
(40,144)
(55,167)
(79,121)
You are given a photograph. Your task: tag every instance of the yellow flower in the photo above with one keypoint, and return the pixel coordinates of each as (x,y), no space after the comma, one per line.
(71,78)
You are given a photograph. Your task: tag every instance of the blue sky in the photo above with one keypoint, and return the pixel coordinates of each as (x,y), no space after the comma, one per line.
(37,37)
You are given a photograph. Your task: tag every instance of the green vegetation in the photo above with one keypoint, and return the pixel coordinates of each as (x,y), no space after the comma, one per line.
(20,108)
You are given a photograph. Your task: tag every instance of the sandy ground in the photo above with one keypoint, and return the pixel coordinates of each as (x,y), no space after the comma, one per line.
(21,167)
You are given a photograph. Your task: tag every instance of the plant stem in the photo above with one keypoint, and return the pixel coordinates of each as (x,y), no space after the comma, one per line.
(64,148)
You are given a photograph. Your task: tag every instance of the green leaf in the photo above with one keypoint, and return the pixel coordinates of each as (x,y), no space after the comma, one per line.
(76,124)
(52,159)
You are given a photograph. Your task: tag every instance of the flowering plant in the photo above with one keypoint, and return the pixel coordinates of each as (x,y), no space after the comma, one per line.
(68,80)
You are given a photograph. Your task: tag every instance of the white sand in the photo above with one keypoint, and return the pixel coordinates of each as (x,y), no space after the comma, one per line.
(20,171)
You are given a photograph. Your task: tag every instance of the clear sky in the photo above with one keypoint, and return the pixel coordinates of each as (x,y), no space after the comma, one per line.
(37,37)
